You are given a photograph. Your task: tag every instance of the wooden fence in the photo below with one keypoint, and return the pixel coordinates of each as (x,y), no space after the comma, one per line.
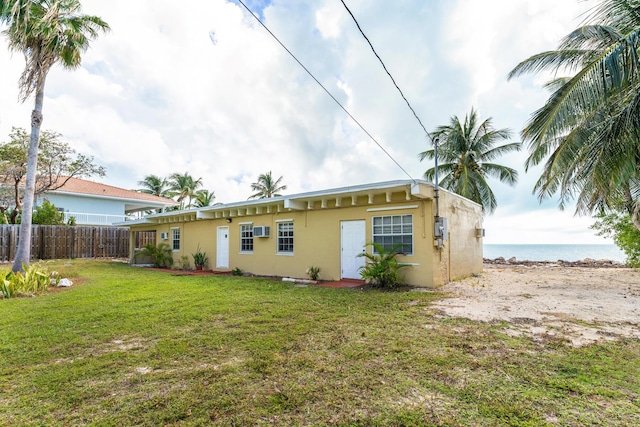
(59,241)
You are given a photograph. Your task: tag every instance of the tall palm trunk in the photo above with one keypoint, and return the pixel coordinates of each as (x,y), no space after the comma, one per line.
(23,252)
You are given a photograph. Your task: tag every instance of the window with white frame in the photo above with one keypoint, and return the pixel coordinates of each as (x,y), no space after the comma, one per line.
(285,237)
(175,239)
(392,230)
(246,238)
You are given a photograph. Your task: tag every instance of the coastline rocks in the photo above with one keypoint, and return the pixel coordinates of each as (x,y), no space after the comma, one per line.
(587,262)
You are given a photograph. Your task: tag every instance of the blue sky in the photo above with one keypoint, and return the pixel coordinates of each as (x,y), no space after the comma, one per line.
(157,96)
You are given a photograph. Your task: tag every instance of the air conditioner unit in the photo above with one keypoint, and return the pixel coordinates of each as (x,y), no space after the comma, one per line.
(261,231)
(164,236)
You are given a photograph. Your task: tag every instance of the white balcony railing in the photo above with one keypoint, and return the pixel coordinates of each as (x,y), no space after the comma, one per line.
(93,219)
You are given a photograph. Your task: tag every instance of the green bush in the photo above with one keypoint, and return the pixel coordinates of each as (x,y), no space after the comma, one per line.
(47,214)
(313,272)
(161,255)
(200,258)
(381,269)
(34,280)
(624,234)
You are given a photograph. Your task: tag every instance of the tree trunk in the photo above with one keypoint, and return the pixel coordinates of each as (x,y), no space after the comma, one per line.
(635,215)
(23,251)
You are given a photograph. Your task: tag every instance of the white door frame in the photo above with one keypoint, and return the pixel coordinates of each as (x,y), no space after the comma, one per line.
(222,247)
(353,236)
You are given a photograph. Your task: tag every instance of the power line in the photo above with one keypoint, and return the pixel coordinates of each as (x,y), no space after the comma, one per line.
(326,90)
(387,71)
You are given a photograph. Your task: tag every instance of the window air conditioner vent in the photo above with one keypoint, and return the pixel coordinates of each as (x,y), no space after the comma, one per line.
(164,236)
(261,231)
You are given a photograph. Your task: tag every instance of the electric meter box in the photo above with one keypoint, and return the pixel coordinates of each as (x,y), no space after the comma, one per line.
(440,228)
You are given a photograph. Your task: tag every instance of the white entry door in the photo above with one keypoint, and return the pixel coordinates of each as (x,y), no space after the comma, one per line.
(352,241)
(222,252)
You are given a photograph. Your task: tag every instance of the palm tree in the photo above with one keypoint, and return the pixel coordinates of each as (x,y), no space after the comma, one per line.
(183,187)
(589,129)
(266,187)
(204,198)
(153,184)
(47,32)
(464,152)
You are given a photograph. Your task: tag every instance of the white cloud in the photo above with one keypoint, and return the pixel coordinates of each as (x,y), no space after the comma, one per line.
(203,88)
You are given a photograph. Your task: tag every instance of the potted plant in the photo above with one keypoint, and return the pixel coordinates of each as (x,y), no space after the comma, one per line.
(199,258)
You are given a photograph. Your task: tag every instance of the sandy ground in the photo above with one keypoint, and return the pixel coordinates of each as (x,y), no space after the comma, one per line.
(583,305)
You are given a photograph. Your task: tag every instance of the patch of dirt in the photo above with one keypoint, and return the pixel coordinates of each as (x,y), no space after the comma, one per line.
(580,304)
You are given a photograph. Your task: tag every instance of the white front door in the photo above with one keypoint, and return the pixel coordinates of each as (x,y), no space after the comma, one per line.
(352,241)
(222,252)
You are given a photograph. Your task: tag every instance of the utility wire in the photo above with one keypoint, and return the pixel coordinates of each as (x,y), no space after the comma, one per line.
(327,91)
(387,71)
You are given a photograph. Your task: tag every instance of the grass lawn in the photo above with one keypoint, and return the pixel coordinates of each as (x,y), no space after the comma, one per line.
(129,346)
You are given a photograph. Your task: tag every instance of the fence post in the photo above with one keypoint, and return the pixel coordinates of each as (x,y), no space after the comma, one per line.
(73,242)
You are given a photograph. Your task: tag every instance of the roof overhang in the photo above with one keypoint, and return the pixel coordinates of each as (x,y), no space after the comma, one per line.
(336,198)
(131,205)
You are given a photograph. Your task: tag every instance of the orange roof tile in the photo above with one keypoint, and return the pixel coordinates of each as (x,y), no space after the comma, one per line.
(81,186)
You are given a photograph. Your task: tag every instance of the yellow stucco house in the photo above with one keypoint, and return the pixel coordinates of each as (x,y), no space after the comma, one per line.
(284,236)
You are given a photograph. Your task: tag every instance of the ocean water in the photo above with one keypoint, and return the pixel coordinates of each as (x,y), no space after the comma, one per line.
(554,252)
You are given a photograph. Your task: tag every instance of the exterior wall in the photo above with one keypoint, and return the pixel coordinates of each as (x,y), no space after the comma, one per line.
(461,254)
(317,238)
(87,210)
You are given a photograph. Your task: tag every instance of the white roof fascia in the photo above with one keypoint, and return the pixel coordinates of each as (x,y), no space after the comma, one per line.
(295,201)
(141,221)
(152,204)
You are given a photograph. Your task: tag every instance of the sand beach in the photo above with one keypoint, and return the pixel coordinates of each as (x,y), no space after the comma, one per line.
(583,302)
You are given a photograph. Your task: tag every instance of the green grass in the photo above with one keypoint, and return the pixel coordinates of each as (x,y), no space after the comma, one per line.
(130,346)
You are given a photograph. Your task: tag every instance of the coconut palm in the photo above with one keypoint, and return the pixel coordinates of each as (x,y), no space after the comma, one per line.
(153,184)
(203,198)
(266,187)
(47,32)
(183,187)
(587,133)
(464,152)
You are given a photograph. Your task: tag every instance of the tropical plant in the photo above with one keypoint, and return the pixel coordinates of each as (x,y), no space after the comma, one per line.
(33,279)
(587,132)
(160,255)
(183,188)
(313,272)
(153,184)
(203,198)
(47,33)
(381,267)
(465,152)
(57,164)
(266,187)
(199,258)
(7,289)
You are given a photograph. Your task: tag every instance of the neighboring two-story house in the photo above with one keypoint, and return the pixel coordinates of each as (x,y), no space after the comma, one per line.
(93,203)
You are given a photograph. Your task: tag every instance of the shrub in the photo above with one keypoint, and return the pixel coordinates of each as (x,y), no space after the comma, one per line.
(200,258)
(625,235)
(47,214)
(34,280)
(381,269)
(184,262)
(160,255)
(313,272)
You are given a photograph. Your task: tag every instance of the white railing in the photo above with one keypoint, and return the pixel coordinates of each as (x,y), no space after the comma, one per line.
(93,219)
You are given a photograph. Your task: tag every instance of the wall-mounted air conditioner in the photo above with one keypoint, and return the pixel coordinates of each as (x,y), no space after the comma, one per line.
(164,236)
(261,231)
